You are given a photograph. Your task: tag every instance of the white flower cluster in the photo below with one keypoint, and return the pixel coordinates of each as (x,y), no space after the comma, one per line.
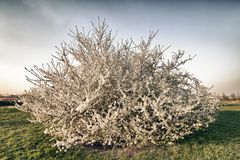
(96,91)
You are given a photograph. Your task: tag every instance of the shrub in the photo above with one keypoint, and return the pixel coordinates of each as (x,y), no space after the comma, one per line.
(97,91)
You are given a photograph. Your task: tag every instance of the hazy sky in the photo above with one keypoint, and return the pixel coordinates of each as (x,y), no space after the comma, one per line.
(30,30)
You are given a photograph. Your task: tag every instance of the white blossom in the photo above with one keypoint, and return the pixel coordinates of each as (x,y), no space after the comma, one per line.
(120,94)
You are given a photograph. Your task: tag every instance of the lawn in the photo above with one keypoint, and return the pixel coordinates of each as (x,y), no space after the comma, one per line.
(231,106)
(20,139)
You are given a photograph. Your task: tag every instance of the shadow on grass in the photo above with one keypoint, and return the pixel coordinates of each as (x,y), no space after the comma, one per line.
(224,130)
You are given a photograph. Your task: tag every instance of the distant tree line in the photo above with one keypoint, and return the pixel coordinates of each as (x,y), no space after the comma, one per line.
(230,97)
(7,103)
(9,100)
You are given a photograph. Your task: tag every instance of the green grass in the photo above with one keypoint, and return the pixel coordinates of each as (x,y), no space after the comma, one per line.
(231,106)
(20,139)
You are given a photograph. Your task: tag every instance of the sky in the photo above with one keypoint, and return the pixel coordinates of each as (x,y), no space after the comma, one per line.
(30,30)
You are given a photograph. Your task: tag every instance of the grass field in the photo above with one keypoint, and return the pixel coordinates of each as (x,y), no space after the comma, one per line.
(20,139)
(231,106)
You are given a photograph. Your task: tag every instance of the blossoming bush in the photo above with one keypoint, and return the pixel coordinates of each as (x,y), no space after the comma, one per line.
(98,91)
